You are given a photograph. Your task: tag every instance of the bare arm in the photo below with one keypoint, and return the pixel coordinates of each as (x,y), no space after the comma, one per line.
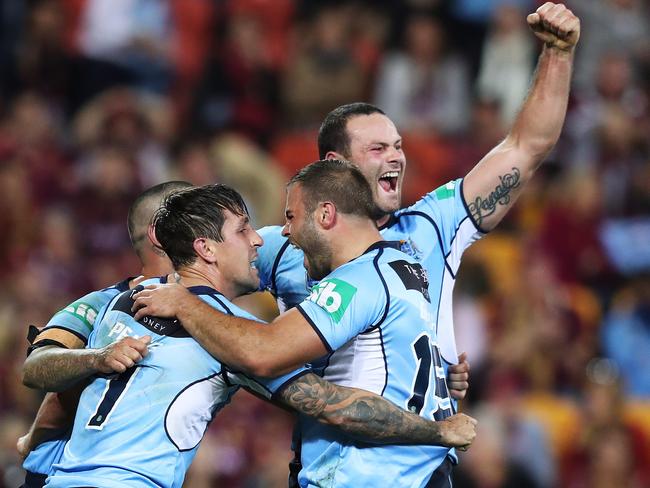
(54,416)
(257,349)
(55,368)
(494,184)
(368,417)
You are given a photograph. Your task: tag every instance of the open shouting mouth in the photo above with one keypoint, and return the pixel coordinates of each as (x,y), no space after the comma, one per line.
(388,181)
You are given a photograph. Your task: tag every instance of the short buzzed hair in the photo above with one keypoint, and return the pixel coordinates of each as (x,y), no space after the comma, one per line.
(145,206)
(192,214)
(339,182)
(333,134)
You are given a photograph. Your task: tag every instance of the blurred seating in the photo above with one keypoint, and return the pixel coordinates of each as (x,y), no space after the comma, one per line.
(293,149)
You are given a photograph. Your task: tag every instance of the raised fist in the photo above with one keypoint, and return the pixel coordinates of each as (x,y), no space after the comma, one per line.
(556,25)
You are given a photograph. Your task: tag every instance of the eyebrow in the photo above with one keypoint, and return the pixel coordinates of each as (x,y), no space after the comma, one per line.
(397,141)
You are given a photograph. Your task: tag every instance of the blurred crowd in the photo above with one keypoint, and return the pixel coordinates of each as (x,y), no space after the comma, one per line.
(100,99)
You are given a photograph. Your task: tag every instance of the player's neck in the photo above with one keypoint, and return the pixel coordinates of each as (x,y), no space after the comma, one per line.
(352,242)
(197,275)
(154,264)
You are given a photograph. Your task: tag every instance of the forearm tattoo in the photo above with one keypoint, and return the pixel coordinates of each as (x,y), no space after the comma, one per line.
(362,415)
(57,369)
(484,207)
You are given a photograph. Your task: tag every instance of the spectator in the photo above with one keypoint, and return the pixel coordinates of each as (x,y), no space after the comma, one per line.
(138,125)
(606,24)
(131,39)
(323,73)
(625,336)
(240,87)
(507,61)
(424,87)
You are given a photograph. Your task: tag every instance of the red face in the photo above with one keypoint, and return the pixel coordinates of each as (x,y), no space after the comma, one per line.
(376,148)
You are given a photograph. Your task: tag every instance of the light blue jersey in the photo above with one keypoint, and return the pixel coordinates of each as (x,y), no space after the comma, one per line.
(435,231)
(78,318)
(142,428)
(375,318)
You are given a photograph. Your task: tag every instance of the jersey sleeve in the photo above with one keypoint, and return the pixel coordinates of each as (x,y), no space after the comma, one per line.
(344,305)
(446,206)
(268,388)
(80,316)
(265,387)
(281,269)
(269,254)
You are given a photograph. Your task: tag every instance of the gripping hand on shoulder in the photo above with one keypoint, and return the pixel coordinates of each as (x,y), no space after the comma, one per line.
(160,300)
(121,355)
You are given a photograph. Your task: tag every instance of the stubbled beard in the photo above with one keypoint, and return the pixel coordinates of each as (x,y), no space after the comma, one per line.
(378,213)
(317,252)
(247,286)
(319,269)
(389,208)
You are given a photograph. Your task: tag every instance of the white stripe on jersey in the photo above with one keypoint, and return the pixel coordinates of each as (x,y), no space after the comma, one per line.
(360,363)
(466,235)
(190,412)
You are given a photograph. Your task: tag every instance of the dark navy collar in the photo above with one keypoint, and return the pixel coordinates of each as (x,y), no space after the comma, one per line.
(392,219)
(124,284)
(203,290)
(198,289)
(383,245)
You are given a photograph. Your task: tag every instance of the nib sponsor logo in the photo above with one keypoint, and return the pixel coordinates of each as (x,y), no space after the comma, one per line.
(333,296)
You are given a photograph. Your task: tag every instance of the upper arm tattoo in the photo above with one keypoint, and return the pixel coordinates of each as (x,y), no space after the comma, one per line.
(484,207)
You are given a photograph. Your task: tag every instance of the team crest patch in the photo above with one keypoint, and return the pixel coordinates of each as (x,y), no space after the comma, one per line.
(408,246)
(446,191)
(333,296)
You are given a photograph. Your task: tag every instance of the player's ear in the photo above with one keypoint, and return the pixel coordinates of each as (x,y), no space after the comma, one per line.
(326,214)
(153,240)
(335,155)
(205,249)
(151,234)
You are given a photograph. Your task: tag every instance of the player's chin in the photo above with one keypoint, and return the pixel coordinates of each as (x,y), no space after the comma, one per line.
(250,285)
(252,280)
(389,202)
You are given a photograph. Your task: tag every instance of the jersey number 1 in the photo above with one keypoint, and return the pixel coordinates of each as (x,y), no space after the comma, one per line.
(427,354)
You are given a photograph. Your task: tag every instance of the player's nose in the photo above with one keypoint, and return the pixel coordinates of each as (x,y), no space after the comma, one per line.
(395,155)
(257,240)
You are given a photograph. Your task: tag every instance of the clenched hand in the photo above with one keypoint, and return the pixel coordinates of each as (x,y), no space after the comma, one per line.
(556,25)
(121,355)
